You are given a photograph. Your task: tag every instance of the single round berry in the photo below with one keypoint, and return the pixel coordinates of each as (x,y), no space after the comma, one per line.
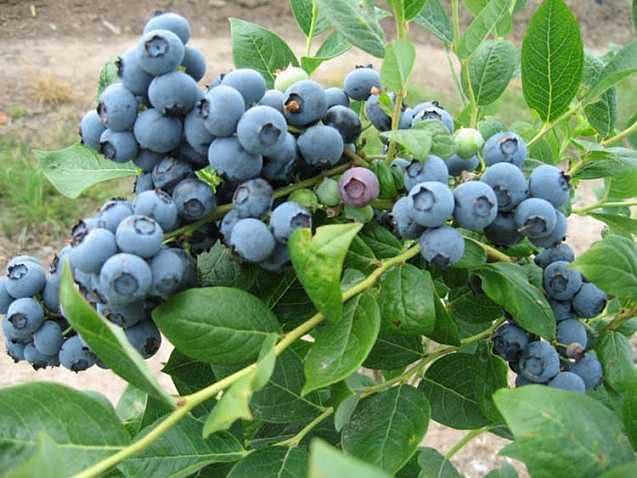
(568,381)
(131,73)
(194,199)
(91,129)
(502,231)
(76,355)
(431,169)
(476,205)
(26,278)
(169,172)
(561,282)
(262,130)
(91,251)
(15,350)
(321,146)
(457,165)
(37,359)
(431,202)
(173,22)
(562,309)
(160,52)
(194,63)
(304,103)
(572,332)
(504,147)
(508,183)
(145,338)
(557,235)
(442,246)
(159,206)
(550,183)
(590,301)
(146,160)
(5,297)
(157,132)
(125,315)
(360,83)
(432,111)
(279,166)
(113,212)
(173,270)
(252,240)
(248,82)
(227,225)
(336,96)
(509,341)
(535,217)
(589,369)
(173,94)
(117,108)
(287,217)
(221,110)
(402,221)
(539,362)
(229,159)
(252,198)
(119,147)
(125,278)
(561,252)
(273,99)
(26,316)
(358,187)
(139,235)
(48,339)
(345,120)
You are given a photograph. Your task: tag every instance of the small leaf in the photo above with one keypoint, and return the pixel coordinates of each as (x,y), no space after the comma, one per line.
(318,262)
(328,462)
(552,60)
(107,340)
(131,407)
(417,142)
(621,66)
(233,405)
(398,64)
(340,348)
(616,355)
(386,428)
(272,462)
(491,68)
(108,76)
(482,26)
(216,324)
(442,143)
(433,17)
(551,437)
(76,168)
(258,48)
(303,12)
(334,45)
(220,267)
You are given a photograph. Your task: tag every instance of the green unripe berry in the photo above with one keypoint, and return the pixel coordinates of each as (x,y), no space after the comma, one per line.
(289,76)
(305,198)
(469,142)
(327,192)
(359,214)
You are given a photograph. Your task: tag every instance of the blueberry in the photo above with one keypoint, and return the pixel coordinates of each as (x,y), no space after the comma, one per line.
(48,339)
(113,212)
(89,285)
(159,206)
(174,93)
(146,160)
(125,278)
(504,147)
(509,341)
(502,231)
(568,381)
(432,169)
(589,370)
(262,130)
(563,310)
(194,199)
(173,270)
(277,260)
(169,172)
(143,182)
(131,73)
(145,338)
(51,293)
(26,316)
(550,183)
(304,103)
(402,221)
(248,82)
(279,166)
(119,147)
(91,251)
(252,240)
(406,118)
(117,108)
(571,331)
(432,111)
(376,115)
(539,362)
(321,146)
(252,198)
(160,52)
(457,165)
(345,121)
(5,297)
(171,22)
(287,217)
(590,301)
(14,335)
(360,82)
(508,183)
(535,217)
(194,63)
(227,225)
(442,246)
(39,360)
(139,235)
(561,252)
(91,128)
(358,187)
(431,203)
(561,282)
(521,381)
(221,110)
(75,355)
(229,159)
(125,315)
(476,205)
(157,132)
(336,96)
(273,99)
(557,235)
(26,278)
(15,350)
(197,159)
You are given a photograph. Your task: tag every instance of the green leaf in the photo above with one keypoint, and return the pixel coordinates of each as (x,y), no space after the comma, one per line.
(553,439)
(611,264)
(416,142)
(220,267)
(46,460)
(76,168)
(340,348)
(131,407)
(630,409)
(272,462)
(80,429)
(398,64)
(304,14)
(181,451)
(621,66)
(433,17)
(474,255)
(216,324)
(357,22)
(508,286)
(381,241)
(601,163)
(334,45)
(622,471)
(446,330)
(634,14)
(393,351)
(107,340)
(482,26)
(386,428)
(328,462)
(616,355)
(318,262)
(506,471)
(189,376)
(108,76)
(434,465)
(602,114)
(406,301)
(552,60)
(258,48)
(442,143)
(467,306)
(620,224)
(413,8)
(491,68)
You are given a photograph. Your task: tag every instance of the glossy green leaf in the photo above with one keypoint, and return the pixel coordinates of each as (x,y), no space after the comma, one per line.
(189,376)
(304,12)
(604,162)
(328,462)
(491,68)
(220,267)
(76,168)
(216,324)
(275,462)
(413,8)
(393,351)
(466,305)
(434,18)
(340,348)
(622,65)
(318,262)
(624,225)
(616,355)
(484,23)
(445,330)
(434,465)
(398,64)
(602,114)
(442,143)
(552,60)
(334,45)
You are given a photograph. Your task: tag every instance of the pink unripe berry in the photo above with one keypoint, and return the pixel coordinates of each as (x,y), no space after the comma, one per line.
(358,187)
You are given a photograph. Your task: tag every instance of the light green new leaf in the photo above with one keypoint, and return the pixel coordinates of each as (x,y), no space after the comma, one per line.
(334,45)
(398,64)
(490,69)
(412,8)
(76,168)
(108,76)
(434,18)
(328,462)
(622,65)
(482,26)
(442,142)
(417,142)
(304,12)
(552,60)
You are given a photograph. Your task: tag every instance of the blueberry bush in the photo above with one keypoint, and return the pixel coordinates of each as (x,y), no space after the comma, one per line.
(336,267)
